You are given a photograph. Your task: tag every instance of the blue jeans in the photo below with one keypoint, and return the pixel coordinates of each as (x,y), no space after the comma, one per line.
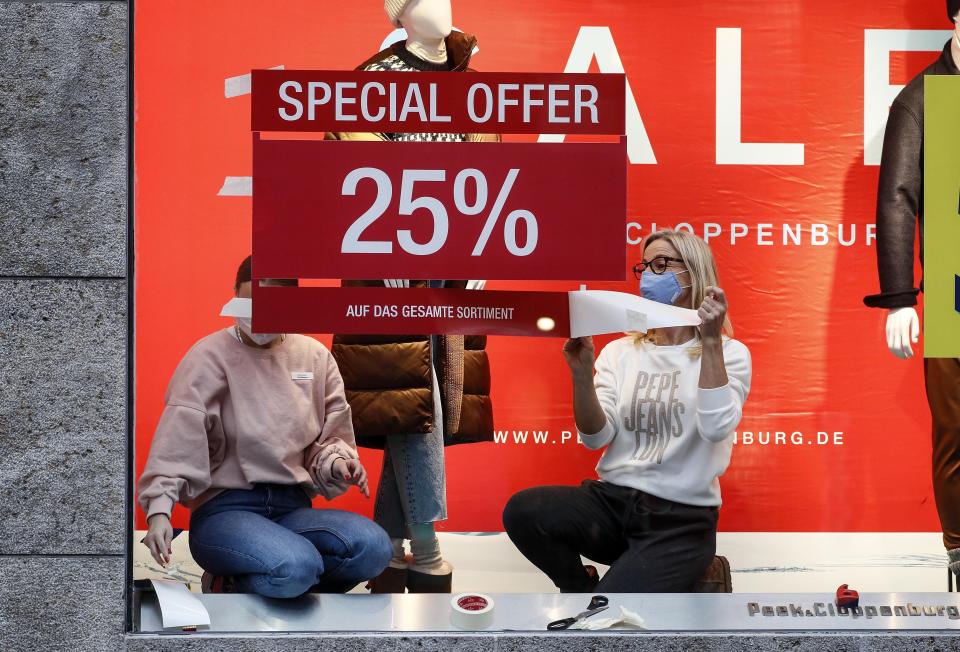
(413,488)
(270,541)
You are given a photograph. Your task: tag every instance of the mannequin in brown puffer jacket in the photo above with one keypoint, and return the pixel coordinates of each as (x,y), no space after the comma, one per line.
(412,395)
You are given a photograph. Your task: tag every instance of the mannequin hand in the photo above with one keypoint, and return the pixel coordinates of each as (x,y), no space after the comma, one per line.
(712,313)
(580,355)
(903,329)
(158,539)
(353,472)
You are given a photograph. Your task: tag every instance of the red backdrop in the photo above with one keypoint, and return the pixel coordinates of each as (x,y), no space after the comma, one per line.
(820,363)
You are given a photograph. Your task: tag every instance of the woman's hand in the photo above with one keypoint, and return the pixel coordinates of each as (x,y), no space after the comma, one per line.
(158,539)
(712,312)
(580,355)
(353,472)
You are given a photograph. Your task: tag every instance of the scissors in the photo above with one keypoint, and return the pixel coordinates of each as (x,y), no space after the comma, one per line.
(597,604)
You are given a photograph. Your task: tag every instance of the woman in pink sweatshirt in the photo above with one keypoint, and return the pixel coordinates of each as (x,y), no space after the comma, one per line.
(255,426)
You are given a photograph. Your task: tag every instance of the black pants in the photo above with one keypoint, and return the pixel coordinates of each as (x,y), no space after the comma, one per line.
(652,545)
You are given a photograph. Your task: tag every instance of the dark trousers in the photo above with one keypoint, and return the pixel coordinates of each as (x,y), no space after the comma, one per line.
(652,545)
(943,394)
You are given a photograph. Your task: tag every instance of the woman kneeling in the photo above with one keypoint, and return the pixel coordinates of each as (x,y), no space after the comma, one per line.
(254,426)
(665,406)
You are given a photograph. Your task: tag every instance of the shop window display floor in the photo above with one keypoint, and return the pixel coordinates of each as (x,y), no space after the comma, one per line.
(760,562)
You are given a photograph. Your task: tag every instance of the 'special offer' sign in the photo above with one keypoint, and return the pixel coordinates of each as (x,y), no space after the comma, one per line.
(505,103)
(362,208)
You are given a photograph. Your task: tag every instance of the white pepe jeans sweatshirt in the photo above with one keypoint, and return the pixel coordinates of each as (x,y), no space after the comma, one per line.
(664,435)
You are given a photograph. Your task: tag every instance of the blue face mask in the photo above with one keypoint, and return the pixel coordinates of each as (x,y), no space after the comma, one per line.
(662,288)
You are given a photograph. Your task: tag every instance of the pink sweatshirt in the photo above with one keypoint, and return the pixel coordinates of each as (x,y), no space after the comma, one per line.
(236,415)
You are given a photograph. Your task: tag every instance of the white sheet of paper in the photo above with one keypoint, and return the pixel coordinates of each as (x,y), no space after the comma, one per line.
(627,618)
(237,307)
(178,606)
(597,312)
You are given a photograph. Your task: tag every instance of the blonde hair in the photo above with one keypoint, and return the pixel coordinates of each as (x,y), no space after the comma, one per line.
(698,259)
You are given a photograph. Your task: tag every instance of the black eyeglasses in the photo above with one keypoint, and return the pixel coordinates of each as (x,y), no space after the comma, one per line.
(658,265)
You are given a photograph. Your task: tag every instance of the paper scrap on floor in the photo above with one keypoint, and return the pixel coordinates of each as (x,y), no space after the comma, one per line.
(179,607)
(627,618)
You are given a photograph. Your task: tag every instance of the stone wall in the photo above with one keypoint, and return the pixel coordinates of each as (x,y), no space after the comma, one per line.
(63,324)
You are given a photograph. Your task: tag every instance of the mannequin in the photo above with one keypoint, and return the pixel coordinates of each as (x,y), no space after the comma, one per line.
(427,406)
(428,24)
(899,207)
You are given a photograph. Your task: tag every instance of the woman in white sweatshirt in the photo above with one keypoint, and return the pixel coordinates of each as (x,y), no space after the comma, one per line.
(665,405)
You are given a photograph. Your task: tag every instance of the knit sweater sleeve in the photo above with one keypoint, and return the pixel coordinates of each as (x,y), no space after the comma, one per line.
(720,409)
(336,439)
(607,386)
(178,466)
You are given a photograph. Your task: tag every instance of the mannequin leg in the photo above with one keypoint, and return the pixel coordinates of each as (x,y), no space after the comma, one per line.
(426,549)
(421,479)
(410,498)
(388,510)
(388,514)
(943,394)
(418,465)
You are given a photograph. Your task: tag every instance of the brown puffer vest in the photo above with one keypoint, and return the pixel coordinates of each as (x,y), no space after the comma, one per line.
(389,383)
(388,378)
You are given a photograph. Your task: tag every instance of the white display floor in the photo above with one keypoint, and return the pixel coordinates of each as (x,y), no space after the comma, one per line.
(761,562)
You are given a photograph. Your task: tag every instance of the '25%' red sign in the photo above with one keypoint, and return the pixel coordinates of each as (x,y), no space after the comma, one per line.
(504,211)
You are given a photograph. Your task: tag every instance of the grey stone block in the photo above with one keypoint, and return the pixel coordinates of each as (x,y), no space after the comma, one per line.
(311,642)
(725,642)
(61,603)
(264,643)
(62,416)
(63,116)
(482,642)
(568,642)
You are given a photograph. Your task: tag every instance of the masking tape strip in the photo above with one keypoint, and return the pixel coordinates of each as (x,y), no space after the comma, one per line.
(241,84)
(238,307)
(236,187)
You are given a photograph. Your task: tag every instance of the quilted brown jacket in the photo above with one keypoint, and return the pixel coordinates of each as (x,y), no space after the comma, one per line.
(389,378)
(389,383)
